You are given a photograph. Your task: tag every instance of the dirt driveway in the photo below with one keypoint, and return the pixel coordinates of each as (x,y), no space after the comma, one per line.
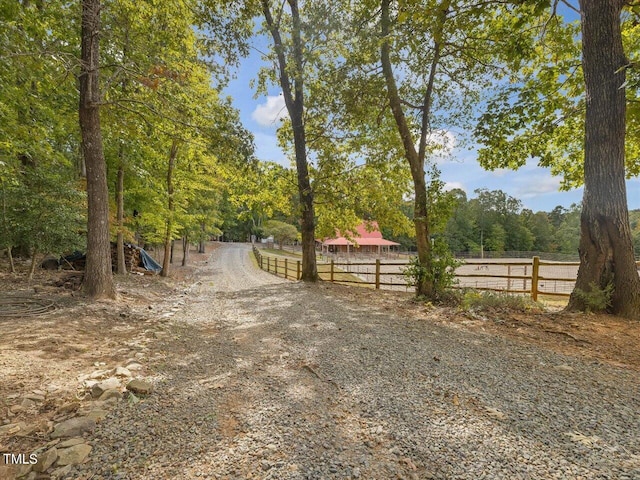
(257,377)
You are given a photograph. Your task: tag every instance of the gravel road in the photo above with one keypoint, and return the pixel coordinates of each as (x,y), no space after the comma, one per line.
(267,379)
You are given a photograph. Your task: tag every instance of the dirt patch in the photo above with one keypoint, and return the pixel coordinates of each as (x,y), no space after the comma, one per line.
(47,351)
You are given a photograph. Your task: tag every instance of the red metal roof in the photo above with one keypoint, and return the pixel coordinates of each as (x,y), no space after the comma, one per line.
(362,237)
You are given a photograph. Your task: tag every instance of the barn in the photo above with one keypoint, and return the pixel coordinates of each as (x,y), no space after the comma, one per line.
(366,240)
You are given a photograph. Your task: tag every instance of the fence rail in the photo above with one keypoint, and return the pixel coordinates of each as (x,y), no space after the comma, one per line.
(535,277)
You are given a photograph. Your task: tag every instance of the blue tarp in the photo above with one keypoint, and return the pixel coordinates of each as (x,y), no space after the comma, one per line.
(148,262)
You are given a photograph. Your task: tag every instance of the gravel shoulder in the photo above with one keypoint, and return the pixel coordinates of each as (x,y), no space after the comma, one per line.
(262,378)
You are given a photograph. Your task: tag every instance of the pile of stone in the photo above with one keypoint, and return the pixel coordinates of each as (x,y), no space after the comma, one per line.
(70,426)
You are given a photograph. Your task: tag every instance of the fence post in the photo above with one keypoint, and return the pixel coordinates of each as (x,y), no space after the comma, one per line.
(261,262)
(534,278)
(331,277)
(268,264)
(377,274)
(286,268)
(276,265)
(298,271)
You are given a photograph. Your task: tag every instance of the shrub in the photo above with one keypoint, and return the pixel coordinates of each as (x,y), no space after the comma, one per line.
(596,299)
(474,300)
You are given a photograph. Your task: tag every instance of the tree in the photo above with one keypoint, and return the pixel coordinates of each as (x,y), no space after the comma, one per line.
(291,76)
(98,278)
(282,232)
(606,248)
(571,115)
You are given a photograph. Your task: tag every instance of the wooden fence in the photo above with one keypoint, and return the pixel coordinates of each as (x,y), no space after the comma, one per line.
(535,277)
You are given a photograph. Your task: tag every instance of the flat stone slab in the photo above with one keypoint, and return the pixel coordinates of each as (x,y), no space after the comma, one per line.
(74,427)
(73,455)
(46,459)
(140,387)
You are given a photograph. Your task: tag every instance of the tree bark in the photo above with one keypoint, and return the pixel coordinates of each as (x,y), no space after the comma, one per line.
(168,244)
(185,250)
(32,266)
(606,248)
(294,99)
(424,285)
(12,266)
(98,278)
(121,264)
(202,243)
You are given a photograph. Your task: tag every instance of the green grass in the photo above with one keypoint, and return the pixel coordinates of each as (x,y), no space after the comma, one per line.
(278,252)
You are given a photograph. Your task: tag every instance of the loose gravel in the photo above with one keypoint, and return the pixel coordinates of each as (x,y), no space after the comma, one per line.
(261,378)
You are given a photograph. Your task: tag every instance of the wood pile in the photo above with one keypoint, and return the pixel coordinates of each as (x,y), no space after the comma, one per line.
(131,258)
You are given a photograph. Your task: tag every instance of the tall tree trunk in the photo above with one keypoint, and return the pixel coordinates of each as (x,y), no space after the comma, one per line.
(121,265)
(294,99)
(201,247)
(98,278)
(32,267)
(12,266)
(606,248)
(185,250)
(416,159)
(168,244)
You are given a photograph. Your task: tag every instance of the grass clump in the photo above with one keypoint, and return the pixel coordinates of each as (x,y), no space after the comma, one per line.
(476,301)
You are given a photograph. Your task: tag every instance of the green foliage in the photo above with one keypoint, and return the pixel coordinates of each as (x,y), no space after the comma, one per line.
(441,270)
(537,110)
(42,212)
(596,299)
(487,302)
(282,232)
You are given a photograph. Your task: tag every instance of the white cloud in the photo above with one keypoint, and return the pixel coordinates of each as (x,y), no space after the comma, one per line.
(453,185)
(270,113)
(440,143)
(536,184)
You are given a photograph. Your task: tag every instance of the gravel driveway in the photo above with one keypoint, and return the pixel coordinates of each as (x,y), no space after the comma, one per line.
(264,378)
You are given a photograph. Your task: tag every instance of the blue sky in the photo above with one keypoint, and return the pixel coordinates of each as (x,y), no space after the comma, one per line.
(534,186)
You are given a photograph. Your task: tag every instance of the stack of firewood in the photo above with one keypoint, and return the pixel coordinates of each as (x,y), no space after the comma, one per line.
(131,258)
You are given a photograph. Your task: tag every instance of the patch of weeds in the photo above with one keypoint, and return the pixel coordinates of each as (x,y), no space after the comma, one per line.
(596,299)
(476,301)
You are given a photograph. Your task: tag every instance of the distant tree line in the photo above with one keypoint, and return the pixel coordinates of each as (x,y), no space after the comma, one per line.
(493,221)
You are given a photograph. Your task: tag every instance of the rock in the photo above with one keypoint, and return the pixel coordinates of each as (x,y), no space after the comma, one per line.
(108,394)
(109,384)
(68,408)
(140,387)
(71,442)
(134,367)
(73,455)
(74,427)
(9,429)
(99,374)
(61,472)
(16,408)
(122,372)
(25,429)
(98,414)
(28,403)
(35,397)
(21,471)
(46,459)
